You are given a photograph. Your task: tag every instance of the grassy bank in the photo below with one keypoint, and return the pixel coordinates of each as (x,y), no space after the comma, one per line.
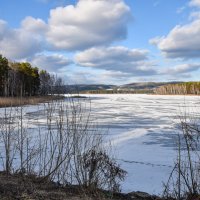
(23,187)
(18,101)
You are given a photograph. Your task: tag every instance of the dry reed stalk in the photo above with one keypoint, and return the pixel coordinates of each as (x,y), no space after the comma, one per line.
(18,101)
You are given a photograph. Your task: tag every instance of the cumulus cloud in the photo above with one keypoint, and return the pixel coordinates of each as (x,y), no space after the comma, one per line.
(86,24)
(182,69)
(195,3)
(51,63)
(89,23)
(115,76)
(97,77)
(35,26)
(181,42)
(82,77)
(22,42)
(194,15)
(119,58)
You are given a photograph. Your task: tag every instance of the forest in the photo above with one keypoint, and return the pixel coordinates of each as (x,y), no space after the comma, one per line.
(187,88)
(22,79)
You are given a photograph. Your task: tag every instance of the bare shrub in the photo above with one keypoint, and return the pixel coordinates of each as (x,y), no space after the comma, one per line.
(184,181)
(101,171)
(67,147)
(8,140)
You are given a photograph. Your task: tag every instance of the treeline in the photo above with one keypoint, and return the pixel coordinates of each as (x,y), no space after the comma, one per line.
(187,88)
(22,79)
(117,91)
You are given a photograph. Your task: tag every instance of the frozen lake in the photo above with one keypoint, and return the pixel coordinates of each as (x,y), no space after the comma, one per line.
(143,130)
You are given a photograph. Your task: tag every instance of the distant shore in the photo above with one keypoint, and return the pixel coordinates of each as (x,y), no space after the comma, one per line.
(148,93)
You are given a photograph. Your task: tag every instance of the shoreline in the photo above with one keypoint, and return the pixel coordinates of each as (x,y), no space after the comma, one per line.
(22,101)
(142,93)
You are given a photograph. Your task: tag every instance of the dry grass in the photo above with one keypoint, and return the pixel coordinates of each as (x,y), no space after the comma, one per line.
(17,101)
(22,187)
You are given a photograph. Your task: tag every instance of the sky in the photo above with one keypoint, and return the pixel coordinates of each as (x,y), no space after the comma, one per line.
(104,41)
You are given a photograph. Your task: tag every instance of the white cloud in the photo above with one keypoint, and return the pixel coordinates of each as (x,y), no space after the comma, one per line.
(88,23)
(194,15)
(97,77)
(114,77)
(74,27)
(22,42)
(51,63)
(3,29)
(35,26)
(182,41)
(83,77)
(119,58)
(195,3)
(182,69)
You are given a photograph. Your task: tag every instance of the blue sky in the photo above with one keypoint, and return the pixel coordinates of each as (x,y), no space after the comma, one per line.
(104,41)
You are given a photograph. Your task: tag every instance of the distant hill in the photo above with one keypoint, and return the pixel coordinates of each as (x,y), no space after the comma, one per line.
(137,86)
(145,85)
(84,87)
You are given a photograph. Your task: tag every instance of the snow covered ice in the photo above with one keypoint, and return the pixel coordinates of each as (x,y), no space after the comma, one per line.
(142,129)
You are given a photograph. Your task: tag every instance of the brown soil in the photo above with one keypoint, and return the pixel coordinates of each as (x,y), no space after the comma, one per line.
(22,187)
